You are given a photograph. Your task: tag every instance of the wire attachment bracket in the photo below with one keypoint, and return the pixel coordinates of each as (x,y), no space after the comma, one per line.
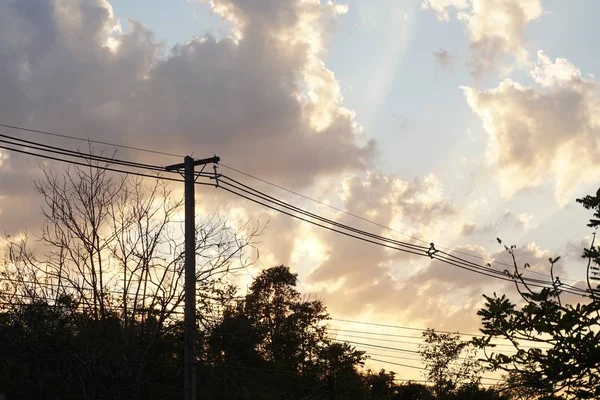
(216,174)
(432,250)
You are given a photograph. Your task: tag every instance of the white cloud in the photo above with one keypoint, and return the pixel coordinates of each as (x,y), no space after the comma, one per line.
(415,209)
(441,7)
(495,28)
(535,133)
(508,220)
(554,74)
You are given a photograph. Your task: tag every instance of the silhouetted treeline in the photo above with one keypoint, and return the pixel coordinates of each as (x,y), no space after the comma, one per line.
(268,344)
(93,309)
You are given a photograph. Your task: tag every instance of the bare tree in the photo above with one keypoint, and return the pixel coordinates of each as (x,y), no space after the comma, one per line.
(114,247)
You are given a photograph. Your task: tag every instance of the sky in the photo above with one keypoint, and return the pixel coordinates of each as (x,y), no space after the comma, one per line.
(453,121)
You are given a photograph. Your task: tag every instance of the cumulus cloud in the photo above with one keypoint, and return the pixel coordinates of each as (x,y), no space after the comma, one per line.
(495,27)
(262,98)
(366,280)
(537,132)
(354,276)
(439,295)
(407,207)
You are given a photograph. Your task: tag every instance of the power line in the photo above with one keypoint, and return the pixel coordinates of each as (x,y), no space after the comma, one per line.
(104,168)
(20,128)
(314,223)
(399,326)
(72,153)
(420,338)
(370,221)
(399,364)
(89,157)
(457,262)
(378,346)
(119,293)
(257,193)
(258,179)
(419,250)
(407,247)
(422,368)
(322,203)
(379,339)
(395,357)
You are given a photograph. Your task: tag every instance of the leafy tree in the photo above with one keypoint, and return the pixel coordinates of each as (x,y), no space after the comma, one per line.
(273,333)
(381,385)
(566,360)
(414,391)
(451,362)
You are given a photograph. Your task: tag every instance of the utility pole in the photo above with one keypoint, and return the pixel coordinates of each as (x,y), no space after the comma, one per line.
(331,386)
(189,334)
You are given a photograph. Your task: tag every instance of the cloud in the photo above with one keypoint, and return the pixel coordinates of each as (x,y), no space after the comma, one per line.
(441,7)
(354,276)
(407,207)
(507,220)
(495,28)
(365,280)
(537,132)
(262,99)
(443,58)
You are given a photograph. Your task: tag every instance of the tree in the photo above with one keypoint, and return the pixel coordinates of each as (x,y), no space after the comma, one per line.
(273,342)
(414,391)
(566,358)
(451,362)
(92,309)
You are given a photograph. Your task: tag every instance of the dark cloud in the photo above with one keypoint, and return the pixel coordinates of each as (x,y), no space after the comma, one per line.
(443,58)
(262,99)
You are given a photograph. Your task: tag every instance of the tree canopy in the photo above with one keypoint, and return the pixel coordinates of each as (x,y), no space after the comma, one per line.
(93,310)
(565,358)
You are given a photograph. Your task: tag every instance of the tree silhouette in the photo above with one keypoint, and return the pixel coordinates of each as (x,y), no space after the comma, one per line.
(569,363)
(92,309)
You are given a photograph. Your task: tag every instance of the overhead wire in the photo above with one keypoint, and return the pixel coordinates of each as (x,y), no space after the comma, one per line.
(54,150)
(320,202)
(266,197)
(446,257)
(60,135)
(370,221)
(73,153)
(262,199)
(104,168)
(89,157)
(117,145)
(455,262)
(458,262)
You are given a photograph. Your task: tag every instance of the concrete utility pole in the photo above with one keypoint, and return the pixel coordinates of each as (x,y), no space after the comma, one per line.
(189,333)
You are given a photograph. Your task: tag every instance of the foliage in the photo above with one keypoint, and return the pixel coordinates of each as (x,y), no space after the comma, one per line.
(566,358)
(92,309)
(452,363)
